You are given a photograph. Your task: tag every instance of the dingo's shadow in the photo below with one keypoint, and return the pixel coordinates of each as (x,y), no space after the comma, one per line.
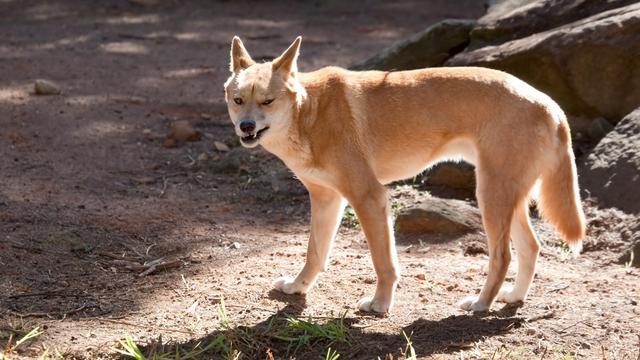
(293,301)
(365,337)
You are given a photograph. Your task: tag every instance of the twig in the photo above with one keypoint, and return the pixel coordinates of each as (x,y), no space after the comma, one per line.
(134,250)
(149,248)
(48,314)
(164,186)
(144,326)
(162,266)
(547,315)
(116,256)
(557,288)
(544,353)
(42,293)
(570,326)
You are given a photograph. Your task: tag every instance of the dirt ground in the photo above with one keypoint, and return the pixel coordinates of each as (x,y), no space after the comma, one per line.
(89,194)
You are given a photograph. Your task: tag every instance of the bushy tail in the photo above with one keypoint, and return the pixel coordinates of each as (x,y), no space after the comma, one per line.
(560,196)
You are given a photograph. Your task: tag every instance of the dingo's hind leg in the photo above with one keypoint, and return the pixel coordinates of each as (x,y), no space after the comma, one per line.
(497,198)
(527,249)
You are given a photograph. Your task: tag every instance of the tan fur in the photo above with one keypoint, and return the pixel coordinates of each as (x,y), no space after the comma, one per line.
(345,134)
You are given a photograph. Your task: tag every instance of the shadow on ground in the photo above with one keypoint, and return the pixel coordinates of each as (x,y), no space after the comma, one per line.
(275,336)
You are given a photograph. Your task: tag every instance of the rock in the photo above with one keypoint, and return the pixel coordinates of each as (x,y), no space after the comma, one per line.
(220,146)
(585,65)
(169,143)
(453,175)
(431,47)
(599,128)
(514,19)
(182,130)
(611,173)
(46,87)
(439,216)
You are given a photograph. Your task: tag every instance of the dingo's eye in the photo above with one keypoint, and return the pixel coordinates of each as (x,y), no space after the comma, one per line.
(237,101)
(267,102)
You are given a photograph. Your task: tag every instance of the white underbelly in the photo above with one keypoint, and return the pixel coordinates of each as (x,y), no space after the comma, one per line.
(407,166)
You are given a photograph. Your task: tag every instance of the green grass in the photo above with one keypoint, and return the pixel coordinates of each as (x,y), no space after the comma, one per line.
(627,265)
(349,218)
(331,355)
(234,342)
(307,333)
(409,351)
(12,347)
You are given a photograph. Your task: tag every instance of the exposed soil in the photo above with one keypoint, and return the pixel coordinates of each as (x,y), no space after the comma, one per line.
(89,194)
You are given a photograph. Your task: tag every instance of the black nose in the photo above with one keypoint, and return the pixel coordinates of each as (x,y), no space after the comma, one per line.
(247,126)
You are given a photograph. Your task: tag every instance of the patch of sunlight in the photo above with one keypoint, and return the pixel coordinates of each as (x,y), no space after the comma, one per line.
(188,36)
(134,19)
(125,47)
(264,23)
(16,95)
(150,82)
(186,73)
(98,129)
(83,100)
(62,42)
(47,11)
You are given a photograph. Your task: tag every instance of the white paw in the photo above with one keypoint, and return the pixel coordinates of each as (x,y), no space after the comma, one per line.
(471,303)
(369,304)
(508,295)
(288,285)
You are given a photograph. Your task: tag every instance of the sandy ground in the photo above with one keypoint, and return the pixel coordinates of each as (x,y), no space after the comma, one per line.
(89,194)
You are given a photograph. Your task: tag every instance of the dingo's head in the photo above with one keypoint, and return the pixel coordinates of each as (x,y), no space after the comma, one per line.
(261,97)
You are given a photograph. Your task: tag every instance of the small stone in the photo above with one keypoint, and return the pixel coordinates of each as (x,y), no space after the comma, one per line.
(146,132)
(46,87)
(421,277)
(203,157)
(169,143)
(235,245)
(220,146)
(530,331)
(182,130)
(146,180)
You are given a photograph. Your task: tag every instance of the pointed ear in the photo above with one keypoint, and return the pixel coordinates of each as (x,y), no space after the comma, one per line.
(240,58)
(287,63)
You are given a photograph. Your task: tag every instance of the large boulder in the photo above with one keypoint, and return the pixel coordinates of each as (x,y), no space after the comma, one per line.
(431,47)
(514,19)
(439,217)
(455,175)
(591,67)
(611,173)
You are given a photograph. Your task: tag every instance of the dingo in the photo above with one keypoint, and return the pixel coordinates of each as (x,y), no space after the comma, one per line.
(345,134)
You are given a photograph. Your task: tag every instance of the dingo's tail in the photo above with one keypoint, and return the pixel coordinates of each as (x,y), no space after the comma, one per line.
(560,196)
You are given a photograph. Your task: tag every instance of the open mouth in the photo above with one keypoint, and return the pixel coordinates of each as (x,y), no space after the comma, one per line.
(253,138)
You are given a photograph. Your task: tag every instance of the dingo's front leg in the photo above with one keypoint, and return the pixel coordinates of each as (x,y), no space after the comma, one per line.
(374,213)
(326,211)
